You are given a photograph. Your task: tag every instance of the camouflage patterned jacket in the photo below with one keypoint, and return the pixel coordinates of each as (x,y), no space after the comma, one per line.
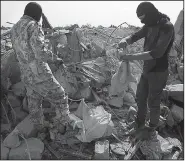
(31,51)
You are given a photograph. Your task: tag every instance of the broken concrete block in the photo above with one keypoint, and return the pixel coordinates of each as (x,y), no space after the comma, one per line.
(5,127)
(26,127)
(116,101)
(176,91)
(35,148)
(73,106)
(132,113)
(53,67)
(19,89)
(83,93)
(128,98)
(20,115)
(119,148)
(180,70)
(46,104)
(12,140)
(15,74)
(101,150)
(4,152)
(25,104)
(13,100)
(177,113)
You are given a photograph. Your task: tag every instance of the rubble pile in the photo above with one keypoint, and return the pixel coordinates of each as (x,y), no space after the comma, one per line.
(100,113)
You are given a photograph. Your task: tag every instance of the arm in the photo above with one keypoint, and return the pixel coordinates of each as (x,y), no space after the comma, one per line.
(38,45)
(136,36)
(166,34)
(133,38)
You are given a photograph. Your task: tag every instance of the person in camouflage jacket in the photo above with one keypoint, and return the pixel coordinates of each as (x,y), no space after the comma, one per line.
(33,57)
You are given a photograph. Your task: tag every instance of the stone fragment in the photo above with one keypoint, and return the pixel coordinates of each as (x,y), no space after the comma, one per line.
(13,100)
(4,152)
(35,149)
(12,140)
(19,89)
(26,127)
(101,150)
(20,115)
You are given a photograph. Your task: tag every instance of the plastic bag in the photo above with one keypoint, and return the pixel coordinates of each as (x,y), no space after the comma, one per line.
(120,80)
(96,122)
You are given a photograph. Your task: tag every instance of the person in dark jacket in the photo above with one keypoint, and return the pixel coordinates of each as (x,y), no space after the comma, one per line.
(158,32)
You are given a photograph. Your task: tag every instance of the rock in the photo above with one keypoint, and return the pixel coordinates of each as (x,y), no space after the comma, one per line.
(116,101)
(101,150)
(120,148)
(180,70)
(20,115)
(178,26)
(19,89)
(46,104)
(177,113)
(53,67)
(15,74)
(176,92)
(26,127)
(83,93)
(132,113)
(25,104)
(73,106)
(35,148)
(4,152)
(5,127)
(13,100)
(128,98)
(12,140)
(5,84)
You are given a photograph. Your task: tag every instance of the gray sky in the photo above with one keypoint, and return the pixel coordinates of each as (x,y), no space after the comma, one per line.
(105,13)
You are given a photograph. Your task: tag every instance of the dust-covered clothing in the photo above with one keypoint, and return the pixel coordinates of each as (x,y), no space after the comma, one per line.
(158,41)
(33,54)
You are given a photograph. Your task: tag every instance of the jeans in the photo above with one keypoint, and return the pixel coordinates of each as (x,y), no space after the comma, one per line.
(148,94)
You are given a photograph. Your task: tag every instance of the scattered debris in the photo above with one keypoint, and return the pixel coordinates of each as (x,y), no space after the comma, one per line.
(4,152)
(34,147)
(12,140)
(101,150)
(101,91)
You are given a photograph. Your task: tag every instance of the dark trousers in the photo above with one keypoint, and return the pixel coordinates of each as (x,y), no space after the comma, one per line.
(149,92)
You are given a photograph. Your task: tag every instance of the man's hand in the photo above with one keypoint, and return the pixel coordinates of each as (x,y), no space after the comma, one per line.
(122,44)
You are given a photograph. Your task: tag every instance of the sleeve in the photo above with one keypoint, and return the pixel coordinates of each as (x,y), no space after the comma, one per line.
(166,34)
(137,35)
(38,45)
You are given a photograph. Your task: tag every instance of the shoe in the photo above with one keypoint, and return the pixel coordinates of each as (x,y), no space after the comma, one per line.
(145,133)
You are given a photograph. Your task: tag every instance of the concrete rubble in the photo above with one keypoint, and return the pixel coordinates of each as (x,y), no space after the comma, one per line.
(90,79)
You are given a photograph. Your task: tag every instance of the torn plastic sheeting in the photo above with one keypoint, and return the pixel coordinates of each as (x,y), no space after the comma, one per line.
(96,122)
(156,148)
(120,80)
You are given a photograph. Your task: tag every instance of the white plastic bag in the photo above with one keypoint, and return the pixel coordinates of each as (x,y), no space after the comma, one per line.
(96,122)
(120,80)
